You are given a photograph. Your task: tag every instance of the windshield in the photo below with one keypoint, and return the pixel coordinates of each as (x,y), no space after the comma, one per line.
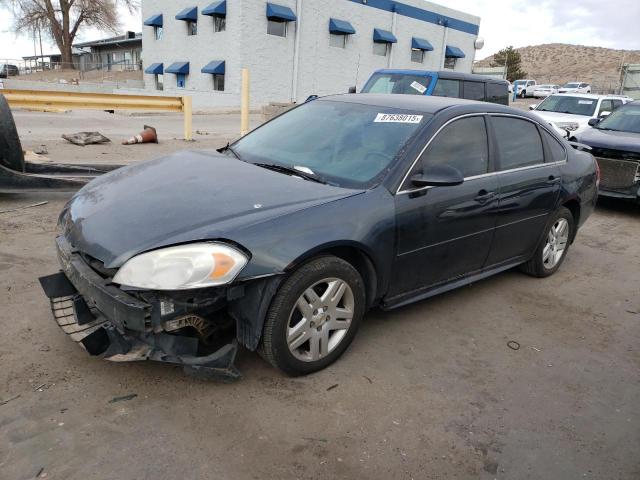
(625,119)
(571,105)
(571,85)
(397,83)
(346,144)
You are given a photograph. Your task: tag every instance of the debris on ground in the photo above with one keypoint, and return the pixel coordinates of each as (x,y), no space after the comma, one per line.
(24,206)
(148,135)
(368,379)
(85,138)
(4,402)
(41,150)
(201,132)
(513,345)
(123,398)
(332,387)
(535,348)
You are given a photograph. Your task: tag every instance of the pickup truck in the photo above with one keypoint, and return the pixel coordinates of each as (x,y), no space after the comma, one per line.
(525,87)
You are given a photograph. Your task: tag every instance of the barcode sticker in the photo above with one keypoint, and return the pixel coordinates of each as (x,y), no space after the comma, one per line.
(397,118)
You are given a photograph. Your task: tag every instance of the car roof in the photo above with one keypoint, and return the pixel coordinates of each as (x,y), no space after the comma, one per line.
(584,95)
(421,103)
(441,74)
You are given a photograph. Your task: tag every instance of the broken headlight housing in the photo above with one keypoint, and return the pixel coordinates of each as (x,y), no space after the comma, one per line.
(183,267)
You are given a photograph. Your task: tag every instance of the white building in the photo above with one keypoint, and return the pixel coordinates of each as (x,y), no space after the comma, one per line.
(295,48)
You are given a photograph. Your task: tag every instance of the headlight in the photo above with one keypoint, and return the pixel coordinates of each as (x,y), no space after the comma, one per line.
(194,265)
(571,126)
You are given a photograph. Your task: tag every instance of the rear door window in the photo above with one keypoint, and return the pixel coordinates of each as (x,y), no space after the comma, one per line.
(447,88)
(557,151)
(617,104)
(518,141)
(474,91)
(497,93)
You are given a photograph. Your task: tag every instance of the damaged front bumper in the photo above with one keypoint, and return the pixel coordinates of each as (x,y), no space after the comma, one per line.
(121,327)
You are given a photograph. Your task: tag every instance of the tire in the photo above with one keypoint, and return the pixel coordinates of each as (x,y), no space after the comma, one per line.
(523,94)
(289,336)
(544,264)
(11,155)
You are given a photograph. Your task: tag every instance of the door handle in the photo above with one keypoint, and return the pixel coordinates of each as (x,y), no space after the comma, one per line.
(484,196)
(553,179)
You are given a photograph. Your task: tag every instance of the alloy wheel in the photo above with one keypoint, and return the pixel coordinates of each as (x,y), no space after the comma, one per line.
(320,319)
(556,243)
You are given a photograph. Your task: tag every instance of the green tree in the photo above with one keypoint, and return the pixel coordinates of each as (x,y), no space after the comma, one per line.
(511,58)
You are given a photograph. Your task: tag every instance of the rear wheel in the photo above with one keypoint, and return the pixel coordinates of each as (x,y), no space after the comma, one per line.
(553,249)
(314,316)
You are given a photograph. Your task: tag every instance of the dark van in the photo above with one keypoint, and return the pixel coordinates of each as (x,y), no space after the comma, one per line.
(439,84)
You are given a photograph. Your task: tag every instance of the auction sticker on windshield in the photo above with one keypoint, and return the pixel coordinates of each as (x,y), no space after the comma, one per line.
(397,118)
(419,87)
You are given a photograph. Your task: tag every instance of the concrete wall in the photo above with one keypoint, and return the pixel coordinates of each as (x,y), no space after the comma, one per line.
(322,69)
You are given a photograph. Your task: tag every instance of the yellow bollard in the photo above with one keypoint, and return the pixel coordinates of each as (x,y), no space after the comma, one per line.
(244,103)
(187,110)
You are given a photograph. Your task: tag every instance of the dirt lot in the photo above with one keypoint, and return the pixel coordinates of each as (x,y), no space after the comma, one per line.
(428,391)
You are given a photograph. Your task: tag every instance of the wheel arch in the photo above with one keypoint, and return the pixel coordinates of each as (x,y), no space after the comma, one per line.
(355,254)
(573,205)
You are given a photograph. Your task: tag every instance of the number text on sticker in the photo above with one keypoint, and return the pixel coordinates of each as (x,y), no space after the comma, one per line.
(397,118)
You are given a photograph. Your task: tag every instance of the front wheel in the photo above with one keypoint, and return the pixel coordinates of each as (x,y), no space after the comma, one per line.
(314,316)
(553,249)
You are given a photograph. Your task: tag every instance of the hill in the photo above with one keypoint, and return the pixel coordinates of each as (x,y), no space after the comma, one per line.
(560,63)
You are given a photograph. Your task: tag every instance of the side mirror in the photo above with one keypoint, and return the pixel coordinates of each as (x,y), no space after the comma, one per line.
(593,122)
(352,89)
(533,107)
(438,176)
(605,114)
(310,98)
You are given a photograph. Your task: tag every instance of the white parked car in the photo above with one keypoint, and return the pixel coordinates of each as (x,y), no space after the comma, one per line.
(542,91)
(575,87)
(525,87)
(569,113)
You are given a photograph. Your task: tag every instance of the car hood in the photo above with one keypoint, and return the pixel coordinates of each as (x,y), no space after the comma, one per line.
(187,196)
(561,117)
(626,141)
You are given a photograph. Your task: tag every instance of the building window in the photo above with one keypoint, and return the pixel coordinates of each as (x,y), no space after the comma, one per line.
(278,29)
(159,81)
(380,48)
(218,83)
(192,28)
(338,41)
(417,55)
(219,24)
(157,32)
(181,80)
(450,63)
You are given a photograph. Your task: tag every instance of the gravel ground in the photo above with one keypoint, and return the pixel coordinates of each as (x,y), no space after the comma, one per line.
(427,391)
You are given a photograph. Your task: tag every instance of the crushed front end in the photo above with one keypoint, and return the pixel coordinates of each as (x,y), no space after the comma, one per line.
(193,329)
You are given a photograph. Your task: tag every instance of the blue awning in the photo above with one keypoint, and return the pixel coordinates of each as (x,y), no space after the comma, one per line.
(383,36)
(155,69)
(421,44)
(188,14)
(341,27)
(280,13)
(216,9)
(454,52)
(178,67)
(154,21)
(215,67)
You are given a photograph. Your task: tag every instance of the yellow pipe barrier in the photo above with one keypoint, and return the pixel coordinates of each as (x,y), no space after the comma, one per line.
(48,100)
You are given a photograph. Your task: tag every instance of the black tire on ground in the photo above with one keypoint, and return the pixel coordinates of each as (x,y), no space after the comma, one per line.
(11,154)
(535,266)
(523,94)
(274,347)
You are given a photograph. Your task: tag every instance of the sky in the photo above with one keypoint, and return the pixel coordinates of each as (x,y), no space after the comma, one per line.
(612,24)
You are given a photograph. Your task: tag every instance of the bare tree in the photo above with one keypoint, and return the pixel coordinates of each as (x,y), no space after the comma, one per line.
(62,19)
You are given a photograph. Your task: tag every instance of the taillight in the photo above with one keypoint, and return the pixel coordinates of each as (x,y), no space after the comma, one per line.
(597,173)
